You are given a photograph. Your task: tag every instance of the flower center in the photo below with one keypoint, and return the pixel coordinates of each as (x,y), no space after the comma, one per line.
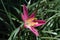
(30,22)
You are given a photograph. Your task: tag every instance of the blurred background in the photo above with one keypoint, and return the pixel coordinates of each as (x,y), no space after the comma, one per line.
(11,24)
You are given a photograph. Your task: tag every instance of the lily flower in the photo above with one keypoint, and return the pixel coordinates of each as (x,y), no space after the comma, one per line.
(31,22)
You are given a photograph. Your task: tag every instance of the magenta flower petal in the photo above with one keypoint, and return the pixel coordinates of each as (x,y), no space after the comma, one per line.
(25,11)
(32,15)
(38,25)
(40,22)
(34,31)
(23,17)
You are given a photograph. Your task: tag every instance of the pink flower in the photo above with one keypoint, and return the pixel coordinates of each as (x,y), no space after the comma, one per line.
(30,21)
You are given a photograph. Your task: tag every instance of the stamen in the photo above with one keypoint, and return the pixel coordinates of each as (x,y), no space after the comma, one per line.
(30,22)
(35,18)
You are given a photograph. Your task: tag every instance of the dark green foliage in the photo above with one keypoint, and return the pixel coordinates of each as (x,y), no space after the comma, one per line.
(11,24)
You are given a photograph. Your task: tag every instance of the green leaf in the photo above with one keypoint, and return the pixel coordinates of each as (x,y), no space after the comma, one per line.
(14,33)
